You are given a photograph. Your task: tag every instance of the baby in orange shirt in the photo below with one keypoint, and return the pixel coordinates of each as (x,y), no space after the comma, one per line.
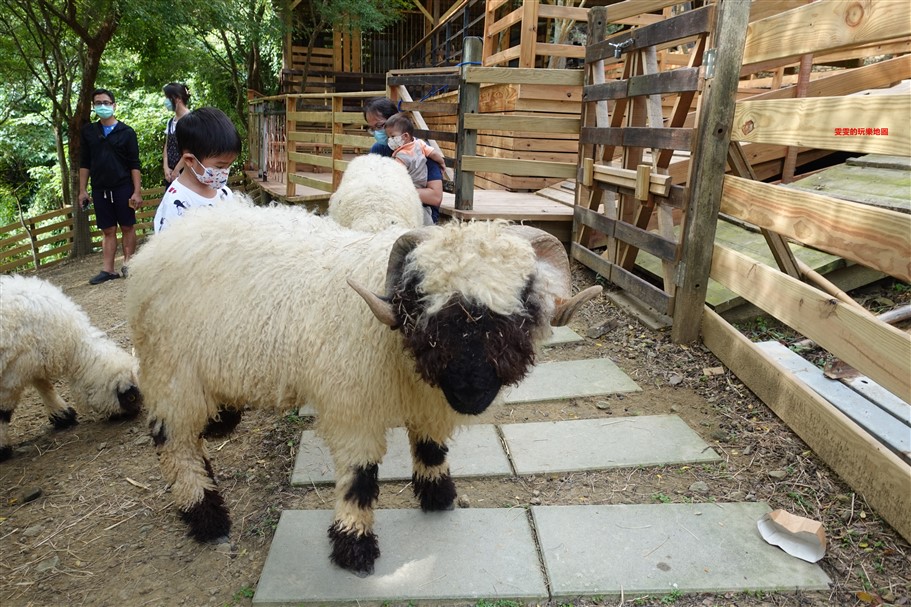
(411,152)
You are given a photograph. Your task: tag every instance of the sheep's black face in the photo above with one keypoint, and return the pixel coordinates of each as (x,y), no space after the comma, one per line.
(465,349)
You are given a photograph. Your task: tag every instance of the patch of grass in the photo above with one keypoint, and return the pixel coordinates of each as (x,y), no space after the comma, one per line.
(245,592)
(497,603)
(660,497)
(670,599)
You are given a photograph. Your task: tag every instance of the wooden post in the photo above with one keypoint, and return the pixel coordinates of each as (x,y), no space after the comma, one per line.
(290,165)
(469,101)
(337,129)
(706,176)
(528,39)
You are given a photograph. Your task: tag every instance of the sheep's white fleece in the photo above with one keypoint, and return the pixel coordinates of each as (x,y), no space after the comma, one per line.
(376,193)
(44,335)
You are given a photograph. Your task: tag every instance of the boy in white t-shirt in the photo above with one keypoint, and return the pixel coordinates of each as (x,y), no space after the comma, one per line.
(209,144)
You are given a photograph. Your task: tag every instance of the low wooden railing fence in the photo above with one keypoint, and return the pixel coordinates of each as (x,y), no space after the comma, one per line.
(45,240)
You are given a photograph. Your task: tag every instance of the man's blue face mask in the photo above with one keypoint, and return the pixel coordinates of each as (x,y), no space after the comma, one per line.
(380,136)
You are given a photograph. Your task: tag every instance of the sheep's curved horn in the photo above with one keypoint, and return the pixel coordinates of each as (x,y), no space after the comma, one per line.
(551,251)
(403,245)
(565,308)
(380,307)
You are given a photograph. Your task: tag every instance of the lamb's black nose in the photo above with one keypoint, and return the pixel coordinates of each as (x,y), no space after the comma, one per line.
(470,390)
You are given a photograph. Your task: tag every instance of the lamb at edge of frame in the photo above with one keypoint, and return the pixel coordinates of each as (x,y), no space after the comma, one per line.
(46,336)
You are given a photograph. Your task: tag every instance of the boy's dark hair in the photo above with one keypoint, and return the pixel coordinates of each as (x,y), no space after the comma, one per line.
(103,92)
(207,132)
(381,106)
(176,90)
(400,122)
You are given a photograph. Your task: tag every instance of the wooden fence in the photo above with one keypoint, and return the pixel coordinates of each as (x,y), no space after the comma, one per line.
(872,237)
(45,240)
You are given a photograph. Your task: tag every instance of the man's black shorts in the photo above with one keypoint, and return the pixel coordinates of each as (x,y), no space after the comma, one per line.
(112,207)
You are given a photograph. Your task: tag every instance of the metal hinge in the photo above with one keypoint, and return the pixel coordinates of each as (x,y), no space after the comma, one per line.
(709,61)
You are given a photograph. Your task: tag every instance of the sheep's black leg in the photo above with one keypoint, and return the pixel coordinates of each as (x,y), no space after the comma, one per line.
(190,473)
(6,450)
(60,415)
(208,519)
(433,485)
(223,423)
(354,545)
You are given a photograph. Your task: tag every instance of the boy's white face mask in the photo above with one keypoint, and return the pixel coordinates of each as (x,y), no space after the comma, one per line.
(214,178)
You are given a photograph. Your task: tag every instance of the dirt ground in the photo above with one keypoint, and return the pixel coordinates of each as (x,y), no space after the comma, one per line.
(85,518)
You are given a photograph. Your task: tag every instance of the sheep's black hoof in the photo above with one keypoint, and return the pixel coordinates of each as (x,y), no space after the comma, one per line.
(6,453)
(224,425)
(435,495)
(64,419)
(209,519)
(352,552)
(130,405)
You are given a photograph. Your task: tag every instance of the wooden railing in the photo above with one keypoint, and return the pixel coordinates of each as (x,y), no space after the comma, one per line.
(872,237)
(45,240)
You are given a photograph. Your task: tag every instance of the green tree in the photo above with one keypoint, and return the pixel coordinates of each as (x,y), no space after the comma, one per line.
(60,44)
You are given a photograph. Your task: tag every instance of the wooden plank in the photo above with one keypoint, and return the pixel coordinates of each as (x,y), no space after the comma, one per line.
(414,80)
(835,326)
(537,124)
(649,242)
(431,107)
(513,75)
(314,159)
(631,8)
(675,81)
(879,475)
(836,24)
(318,117)
(528,34)
(832,123)
(880,424)
(685,25)
(658,138)
(658,184)
(877,75)
(310,182)
(627,281)
(528,168)
(707,172)
(875,237)
(311,137)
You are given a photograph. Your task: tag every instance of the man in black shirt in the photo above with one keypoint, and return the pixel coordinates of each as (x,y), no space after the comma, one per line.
(110,154)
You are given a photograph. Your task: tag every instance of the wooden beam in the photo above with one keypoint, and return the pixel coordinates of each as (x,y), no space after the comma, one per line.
(879,475)
(513,75)
(835,326)
(421,8)
(526,168)
(871,236)
(829,123)
(528,36)
(844,82)
(707,171)
(631,8)
(535,124)
(836,24)
(628,178)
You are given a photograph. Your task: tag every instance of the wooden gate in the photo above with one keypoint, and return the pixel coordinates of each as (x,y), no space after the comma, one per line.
(621,190)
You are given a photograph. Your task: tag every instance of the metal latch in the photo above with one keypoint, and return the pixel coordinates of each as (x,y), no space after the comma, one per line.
(618,48)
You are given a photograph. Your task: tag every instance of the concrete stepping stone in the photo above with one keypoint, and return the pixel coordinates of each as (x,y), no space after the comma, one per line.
(562,335)
(474,451)
(594,444)
(465,554)
(660,548)
(572,378)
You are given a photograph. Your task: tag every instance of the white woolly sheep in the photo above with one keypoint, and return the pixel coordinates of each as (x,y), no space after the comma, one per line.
(374,194)
(261,316)
(45,336)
